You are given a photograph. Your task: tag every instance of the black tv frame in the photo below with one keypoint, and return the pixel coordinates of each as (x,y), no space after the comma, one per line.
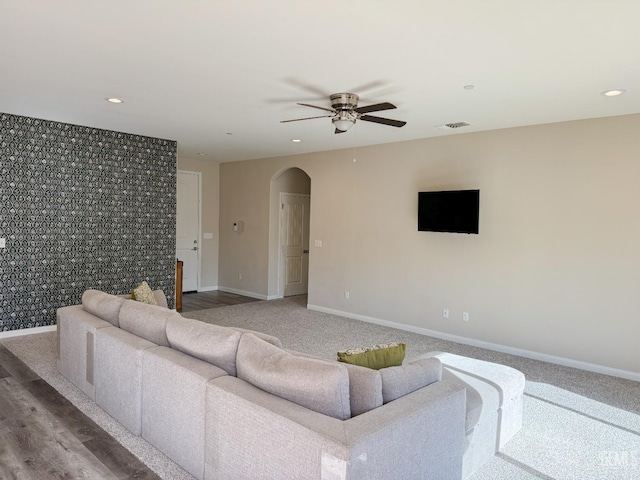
(449,211)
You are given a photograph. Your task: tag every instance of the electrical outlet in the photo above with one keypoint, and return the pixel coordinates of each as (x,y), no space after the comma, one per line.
(346,294)
(465,316)
(445,313)
(239,276)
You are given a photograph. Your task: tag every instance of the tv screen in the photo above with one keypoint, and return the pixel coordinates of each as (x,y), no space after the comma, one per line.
(453,211)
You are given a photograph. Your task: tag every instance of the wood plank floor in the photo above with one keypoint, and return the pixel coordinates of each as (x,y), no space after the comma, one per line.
(44,436)
(203,300)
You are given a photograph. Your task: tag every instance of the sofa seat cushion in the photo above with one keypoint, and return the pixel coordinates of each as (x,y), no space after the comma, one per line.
(412,375)
(319,385)
(489,385)
(103,305)
(474,401)
(211,343)
(507,382)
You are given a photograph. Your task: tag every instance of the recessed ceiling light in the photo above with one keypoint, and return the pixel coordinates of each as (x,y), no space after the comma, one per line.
(114,100)
(613,93)
(469,87)
(202,154)
(296,140)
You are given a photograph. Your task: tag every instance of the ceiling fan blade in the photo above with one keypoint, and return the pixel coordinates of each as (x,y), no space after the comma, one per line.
(375,108)
(312,89)
(315,106)
(383,121)
(368,86)
(307,118)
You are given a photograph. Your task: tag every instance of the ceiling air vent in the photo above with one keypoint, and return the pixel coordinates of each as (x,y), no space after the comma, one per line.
(452,126)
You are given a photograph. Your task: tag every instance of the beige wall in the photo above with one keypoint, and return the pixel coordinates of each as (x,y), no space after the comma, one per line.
(210,217)
(555,268)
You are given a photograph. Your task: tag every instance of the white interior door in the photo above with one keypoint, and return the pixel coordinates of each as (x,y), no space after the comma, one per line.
(294,243)
(188,228)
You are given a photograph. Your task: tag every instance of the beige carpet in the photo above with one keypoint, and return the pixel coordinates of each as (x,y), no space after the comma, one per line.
(577,425)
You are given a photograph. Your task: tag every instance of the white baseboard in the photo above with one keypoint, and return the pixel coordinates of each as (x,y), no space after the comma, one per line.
(566,362)
(243,292)
(28,331)
(274,297)
(207,289)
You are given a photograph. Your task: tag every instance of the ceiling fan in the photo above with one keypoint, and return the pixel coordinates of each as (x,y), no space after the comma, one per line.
(345,112)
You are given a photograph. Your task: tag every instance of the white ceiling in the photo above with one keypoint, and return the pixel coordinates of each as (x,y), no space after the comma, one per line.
(198,71)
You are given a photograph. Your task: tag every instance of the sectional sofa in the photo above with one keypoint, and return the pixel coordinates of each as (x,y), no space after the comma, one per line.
(227,403)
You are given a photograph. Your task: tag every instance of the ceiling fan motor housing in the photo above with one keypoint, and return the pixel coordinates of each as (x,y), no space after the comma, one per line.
(344,101)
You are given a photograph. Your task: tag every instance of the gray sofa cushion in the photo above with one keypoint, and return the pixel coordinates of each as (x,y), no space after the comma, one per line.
(365,389)
(161,298)
(211,343)
(264,336)
(102,305)
(365,386)
(318,385)
(474,401)
(409,377)
(146,321)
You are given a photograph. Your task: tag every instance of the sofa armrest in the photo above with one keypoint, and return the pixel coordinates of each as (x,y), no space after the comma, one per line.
(76,343)
(420,435)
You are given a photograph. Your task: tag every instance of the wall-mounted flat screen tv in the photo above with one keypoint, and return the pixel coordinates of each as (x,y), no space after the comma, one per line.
(455,211)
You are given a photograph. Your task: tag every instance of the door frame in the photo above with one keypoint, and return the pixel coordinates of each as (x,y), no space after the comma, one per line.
(281,257)
(199,252)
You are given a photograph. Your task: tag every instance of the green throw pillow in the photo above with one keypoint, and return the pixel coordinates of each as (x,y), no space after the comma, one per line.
(376,356)
(143,293)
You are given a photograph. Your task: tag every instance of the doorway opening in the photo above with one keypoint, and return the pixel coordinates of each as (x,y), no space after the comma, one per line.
(188,187)
(289,233)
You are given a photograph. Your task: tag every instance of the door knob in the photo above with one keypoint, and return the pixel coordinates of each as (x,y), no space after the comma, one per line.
(305,251)
(194,248)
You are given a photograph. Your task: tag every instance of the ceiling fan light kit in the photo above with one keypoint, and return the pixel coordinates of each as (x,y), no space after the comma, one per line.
(343,122)
(344,112)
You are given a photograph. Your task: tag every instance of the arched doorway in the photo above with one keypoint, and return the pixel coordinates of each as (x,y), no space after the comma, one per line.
(289,233)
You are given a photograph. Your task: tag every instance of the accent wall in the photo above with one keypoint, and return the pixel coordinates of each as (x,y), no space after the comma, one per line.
(82,208)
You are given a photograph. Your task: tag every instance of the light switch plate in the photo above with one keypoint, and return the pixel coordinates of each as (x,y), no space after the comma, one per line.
(317,243)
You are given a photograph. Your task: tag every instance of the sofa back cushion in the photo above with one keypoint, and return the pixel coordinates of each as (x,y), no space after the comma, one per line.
(409,377)
(211,343)
(318,385)
(365,389)
(365,386)
(161,298)
(146,321)
(103,305)
(264,336)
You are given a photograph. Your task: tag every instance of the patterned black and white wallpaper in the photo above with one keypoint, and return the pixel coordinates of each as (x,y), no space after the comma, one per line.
(81,208)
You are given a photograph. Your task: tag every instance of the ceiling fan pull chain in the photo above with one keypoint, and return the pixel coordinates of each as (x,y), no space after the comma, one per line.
(355,141)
